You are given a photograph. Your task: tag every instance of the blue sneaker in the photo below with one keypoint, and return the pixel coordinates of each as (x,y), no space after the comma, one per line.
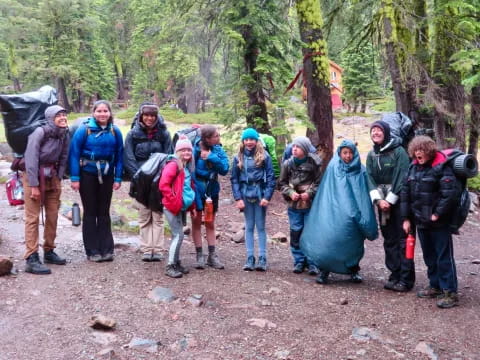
(249,264)
(262,264)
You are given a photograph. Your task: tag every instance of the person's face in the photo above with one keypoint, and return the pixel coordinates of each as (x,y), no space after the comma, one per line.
(102,114)
(346,154)
(185,155)
(377,135)
(60,119)
(298,152)
(250,144)
(149,119)
(421,157)
(214,139)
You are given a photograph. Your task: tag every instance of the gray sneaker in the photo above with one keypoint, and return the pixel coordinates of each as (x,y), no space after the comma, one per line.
(200,264)
(156,257)
(171,270)
(214,261)
(147,256)
(447,300)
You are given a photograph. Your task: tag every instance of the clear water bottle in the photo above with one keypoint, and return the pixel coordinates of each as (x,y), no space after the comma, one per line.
(76,221)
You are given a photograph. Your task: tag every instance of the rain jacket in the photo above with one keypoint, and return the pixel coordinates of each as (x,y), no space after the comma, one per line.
(341,216)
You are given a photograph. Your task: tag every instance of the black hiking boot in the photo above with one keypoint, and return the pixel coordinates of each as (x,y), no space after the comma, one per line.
(262,264)
(298,267)
(50,257)
(356,278)
(35,266)
(171,270)
(322,278)
(181,268)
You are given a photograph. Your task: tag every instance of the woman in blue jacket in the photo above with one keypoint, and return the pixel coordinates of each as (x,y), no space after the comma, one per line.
(253,184)
(96,164)
(210,161)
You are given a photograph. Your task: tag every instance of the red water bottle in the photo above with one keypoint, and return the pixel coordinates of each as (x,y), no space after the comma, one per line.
(410,247)
(208,217)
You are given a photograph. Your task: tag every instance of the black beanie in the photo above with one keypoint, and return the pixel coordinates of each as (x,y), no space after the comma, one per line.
(385,128)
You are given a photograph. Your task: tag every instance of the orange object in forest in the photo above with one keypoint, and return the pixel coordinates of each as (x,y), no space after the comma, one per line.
(208,213)
(410,247)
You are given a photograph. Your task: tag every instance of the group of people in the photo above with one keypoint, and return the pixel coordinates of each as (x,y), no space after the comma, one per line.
(329,218)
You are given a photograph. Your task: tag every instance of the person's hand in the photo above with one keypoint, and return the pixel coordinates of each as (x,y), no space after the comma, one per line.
(383,205)
(35,195)
(295,196)
(240,204)
(264,202)
(406,226)
(204,154)
(434,217)
(75,185)
(116,185)
(304,196)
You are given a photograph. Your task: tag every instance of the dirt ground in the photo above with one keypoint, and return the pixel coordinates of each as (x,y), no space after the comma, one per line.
(243,315)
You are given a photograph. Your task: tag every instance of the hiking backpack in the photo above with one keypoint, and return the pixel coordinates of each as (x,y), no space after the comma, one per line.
(144,184)
(464,166)
(401,128)
(192,133)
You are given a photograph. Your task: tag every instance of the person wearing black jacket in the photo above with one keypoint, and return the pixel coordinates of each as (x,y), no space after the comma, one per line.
(148,135)
(428,200)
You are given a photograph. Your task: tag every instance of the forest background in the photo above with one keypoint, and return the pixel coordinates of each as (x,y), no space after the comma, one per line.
(231,61)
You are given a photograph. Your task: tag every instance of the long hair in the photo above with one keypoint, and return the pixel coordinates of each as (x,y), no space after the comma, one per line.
(424,143)
(259,154)
(206,131)
(107,104)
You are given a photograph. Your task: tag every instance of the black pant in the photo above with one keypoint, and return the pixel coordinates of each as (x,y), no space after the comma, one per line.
(402,269)
(96,228)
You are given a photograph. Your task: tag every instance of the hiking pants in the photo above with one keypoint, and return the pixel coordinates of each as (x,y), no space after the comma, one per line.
(394,241)
(151,229)
(53,189)
(96,227)
(297,218)
(176,228)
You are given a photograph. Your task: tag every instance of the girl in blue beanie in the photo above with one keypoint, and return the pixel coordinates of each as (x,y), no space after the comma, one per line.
(253,184)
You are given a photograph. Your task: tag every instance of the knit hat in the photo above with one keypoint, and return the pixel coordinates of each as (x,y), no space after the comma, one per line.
(384,127)
(183,143)
(303,143)
(149,110)
(52,111)
(250,133)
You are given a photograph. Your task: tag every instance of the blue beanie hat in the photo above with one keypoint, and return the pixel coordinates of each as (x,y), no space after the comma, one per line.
(250,133)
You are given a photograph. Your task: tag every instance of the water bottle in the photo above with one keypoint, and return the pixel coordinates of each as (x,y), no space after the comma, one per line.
(208,210)
(410,247)
(76,215)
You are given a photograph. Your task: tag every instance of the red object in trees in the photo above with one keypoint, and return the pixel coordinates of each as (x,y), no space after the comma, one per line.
(208,217)
(410,247)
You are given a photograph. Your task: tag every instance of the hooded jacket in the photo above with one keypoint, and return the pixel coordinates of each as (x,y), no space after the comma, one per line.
(47,145)
(140,143)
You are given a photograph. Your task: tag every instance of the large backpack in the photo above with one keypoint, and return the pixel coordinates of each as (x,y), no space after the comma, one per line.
(401,128)
(464,166)
(192,133)
(144,184)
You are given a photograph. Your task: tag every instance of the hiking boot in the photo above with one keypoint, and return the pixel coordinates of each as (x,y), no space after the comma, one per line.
(400,287)
(262,264)
(214,261)
(95,258)
(180,268)
(35,266)
(50,257)
(147,256)
(447,300)
(298,268)
(249,264)
(200,264)
(156,257)
(389,285)
(356,278)
(429,293)
(107,257)
(322,278)
(313,270)
(171,270)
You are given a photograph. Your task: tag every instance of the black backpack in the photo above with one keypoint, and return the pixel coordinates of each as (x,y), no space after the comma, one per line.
(144,184)
(192,133)
(401,128)
(464,166)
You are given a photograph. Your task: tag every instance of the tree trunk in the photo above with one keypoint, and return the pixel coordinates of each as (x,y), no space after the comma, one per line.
(257,116)
(317,77)
(16,85)
(79,102)
(62,94)
(475,121)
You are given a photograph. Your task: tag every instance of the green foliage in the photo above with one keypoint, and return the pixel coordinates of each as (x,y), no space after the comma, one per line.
(473,184)
(383,104)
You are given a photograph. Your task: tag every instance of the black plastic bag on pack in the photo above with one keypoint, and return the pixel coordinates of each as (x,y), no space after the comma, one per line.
(401,128)
(23,113)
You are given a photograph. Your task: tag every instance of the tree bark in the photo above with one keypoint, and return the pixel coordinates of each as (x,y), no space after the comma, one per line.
(62,94)
(475,121)
(317,78)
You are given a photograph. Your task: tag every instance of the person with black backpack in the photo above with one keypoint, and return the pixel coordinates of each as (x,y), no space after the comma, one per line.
(148,135)
(428,200)
(45,162)
(387,166)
